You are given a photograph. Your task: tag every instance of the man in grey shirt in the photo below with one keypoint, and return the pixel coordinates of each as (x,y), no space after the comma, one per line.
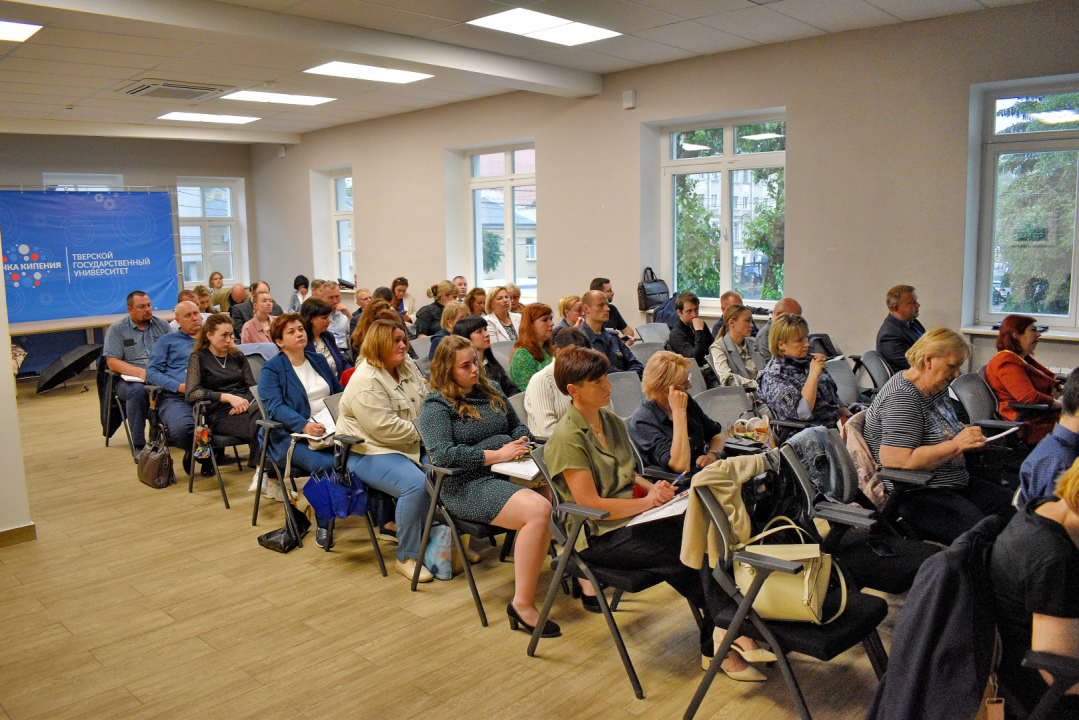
(128,344)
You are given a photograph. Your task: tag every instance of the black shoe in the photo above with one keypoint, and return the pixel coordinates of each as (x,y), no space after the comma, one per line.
(253,457)
(322,535)
(589,602)
(207,469)
(550,628)
(186,462)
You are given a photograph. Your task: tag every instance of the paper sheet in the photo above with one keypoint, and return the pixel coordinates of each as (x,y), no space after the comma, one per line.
(1000,435)
(132,378)
(523,469)
(324,418)
(675,506)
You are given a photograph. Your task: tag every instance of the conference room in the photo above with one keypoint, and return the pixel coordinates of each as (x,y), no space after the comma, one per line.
(528,150)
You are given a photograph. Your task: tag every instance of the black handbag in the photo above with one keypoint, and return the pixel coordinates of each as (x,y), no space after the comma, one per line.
(285,539)
(651,291)
(155,464)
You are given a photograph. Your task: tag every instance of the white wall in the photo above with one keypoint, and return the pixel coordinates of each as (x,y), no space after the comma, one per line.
(14,505)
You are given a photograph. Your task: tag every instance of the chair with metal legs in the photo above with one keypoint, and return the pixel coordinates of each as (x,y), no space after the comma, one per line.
(216,442)
(116,403)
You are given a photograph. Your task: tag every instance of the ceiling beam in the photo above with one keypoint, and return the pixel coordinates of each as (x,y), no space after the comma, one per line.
(489,67)
(156,132)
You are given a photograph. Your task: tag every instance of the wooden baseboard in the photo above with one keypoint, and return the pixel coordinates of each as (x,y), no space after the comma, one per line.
(14,536)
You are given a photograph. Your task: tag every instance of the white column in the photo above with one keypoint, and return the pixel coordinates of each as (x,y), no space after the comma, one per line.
(15,523)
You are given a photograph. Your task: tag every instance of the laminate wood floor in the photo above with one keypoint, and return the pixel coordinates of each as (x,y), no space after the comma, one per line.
(140,603)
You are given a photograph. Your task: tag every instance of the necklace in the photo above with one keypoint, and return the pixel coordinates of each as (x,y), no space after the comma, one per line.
(221,361)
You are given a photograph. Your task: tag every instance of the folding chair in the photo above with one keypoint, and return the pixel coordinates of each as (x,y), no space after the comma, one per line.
(422,346)
(876,366)
(644,350)
(268,425)
(255,361)
(1002,459)
(503,352)
(517,402)
(857,624)
(116,402)
(216,442)
(849,393)
(572,516)
(626,393)
(653,333)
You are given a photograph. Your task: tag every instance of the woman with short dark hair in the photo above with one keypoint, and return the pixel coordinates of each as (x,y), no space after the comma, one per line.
(300,285)
(315,314)
(1016,376)
(474,328)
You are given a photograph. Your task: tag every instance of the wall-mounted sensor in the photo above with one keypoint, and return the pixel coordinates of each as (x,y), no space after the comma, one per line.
(629,99)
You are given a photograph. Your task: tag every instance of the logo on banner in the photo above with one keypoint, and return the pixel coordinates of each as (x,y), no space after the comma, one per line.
(25,265)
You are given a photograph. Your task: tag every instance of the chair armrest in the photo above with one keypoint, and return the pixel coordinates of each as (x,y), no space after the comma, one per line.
(798,424)
(768,563)
(269,424)
(582,511)
(834,513)
(348,440)
(741,447)
(155,388)
(1029,406)
(997,425)
(655,473)
(539,439)
(905,477)
(443,470)
(855,358)
(1060,667)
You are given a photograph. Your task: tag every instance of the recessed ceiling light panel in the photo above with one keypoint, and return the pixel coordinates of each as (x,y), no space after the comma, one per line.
(202,117)
(16,32)
(268,97)
(573,34)
(519,21)
(367,72)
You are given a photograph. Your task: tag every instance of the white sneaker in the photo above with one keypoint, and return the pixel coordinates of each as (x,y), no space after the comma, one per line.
(271,490)
(408,569)
(255,482)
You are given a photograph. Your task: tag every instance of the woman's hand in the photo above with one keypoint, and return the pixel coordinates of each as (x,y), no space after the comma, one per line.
(512,450)
(706,459)
(677,399)
(314,429)
(579,323)
(239,405)
(971,438)
(660,493)
(816,365)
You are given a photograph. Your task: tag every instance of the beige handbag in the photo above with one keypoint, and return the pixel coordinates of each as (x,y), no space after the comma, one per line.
(798,597)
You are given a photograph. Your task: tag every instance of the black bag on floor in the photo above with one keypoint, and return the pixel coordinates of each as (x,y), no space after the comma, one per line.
(285,539)
(155,464)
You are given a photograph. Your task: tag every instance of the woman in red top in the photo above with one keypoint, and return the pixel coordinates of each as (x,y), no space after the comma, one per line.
(1016,376)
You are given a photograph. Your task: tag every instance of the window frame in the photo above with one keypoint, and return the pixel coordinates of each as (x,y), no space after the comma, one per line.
(992,146)
(725,166)
(337,216)
(235,221)
(83,182)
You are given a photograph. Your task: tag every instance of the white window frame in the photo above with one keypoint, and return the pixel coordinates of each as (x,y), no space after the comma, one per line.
(236,222)
(506,183)
(341,216)
(724,165)
(992,146)
(82,182)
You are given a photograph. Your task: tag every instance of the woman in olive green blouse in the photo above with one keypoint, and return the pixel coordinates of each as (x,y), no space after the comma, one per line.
(533,350)
(592,464)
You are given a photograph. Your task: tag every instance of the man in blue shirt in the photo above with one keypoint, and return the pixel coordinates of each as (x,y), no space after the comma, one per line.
(168,368)
(1057,450)
(596,312)
(128,343)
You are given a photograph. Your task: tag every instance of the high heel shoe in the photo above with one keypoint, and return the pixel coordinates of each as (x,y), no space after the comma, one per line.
(748,674)
(762,654)
(589,602)
(550,628)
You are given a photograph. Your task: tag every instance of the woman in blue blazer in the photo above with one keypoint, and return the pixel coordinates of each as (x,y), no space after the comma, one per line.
(315,314)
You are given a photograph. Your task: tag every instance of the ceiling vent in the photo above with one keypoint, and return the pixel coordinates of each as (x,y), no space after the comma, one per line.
(173,90)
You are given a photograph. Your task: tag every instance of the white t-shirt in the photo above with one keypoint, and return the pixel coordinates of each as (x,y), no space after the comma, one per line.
(317,388)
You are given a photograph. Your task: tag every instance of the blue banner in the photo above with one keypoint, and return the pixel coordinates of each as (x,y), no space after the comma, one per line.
(78,254)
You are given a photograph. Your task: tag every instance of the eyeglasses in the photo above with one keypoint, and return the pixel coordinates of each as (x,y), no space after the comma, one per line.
(400,281)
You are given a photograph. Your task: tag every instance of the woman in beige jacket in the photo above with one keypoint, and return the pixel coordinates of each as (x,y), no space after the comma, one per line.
(381,400)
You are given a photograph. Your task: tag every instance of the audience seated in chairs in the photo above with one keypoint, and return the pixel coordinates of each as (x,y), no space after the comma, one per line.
(515,298)
(244,311)
(689,337)
(619,356)
(128,344)
(429,317)
(224,299)
(455,310)
(794,384)
(782,306)
(257,329)
(1035,577)
(735,356)
(316,315)
(379,406)
(911,425)
(219,373)
(462,287)
(400,300)
(614,321)
(1016,376)
(293,387)
(339,319)
(533,350)
(475,329)
(370,314)
(592,463)
(1057,450)
(190,296)
(502,323)
(901,328)
(544,402)
(669,427)
(300,285)
(725,301)
(363,299)
(216,281)
(204,297)
(468,424)
(571,310)
(476,301)
(168,370)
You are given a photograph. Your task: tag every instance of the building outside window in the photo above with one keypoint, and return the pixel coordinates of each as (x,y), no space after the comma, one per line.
(341,227)
(502,186)
(210,229)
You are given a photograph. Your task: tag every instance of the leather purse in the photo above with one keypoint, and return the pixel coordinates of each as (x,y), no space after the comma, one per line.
(798,597)
(155,464)
(651,291)
(284,540)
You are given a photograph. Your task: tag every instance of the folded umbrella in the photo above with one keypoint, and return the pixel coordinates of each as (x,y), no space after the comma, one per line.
(330,499)
(67,367)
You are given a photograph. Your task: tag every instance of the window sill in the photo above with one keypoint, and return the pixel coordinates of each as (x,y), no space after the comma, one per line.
(1058,335)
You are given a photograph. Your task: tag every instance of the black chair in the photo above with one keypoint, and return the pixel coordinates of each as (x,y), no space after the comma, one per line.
(267,425)
(696,376)
(217,442)
(876,366)
(116,403)
(255,361)
(567,521)
(857,624)
(725,405)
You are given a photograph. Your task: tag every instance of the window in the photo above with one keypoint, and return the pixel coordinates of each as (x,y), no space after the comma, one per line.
(1027,230)
(341,223)
(82,182)
(503,193)
(210,229)
(724,208)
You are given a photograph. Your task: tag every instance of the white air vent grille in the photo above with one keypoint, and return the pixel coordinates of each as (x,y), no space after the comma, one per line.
(173,90)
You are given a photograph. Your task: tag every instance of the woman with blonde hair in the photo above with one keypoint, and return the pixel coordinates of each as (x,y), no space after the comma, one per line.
(794,384)
(502,324)
(453,312)
(476,301)
(912,425)
(571,310)
(515,298)
(533,350)
(734,352)
(429,317)
(467,424)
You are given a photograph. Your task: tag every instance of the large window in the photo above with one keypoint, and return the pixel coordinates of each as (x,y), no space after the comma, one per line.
(725,189)
(503,190)
(209,223)
(341,227)
(1027,258)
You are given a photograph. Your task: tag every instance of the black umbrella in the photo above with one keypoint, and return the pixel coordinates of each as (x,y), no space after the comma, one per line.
(67,367)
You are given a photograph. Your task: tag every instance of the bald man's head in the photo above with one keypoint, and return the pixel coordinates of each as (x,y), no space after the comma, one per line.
(786,305)
(239,292)
(188,318)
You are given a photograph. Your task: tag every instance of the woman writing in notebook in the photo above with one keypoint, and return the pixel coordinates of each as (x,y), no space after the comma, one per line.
(591,463)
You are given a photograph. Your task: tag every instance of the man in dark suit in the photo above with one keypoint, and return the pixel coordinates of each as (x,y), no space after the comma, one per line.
(244,311)
(901,328)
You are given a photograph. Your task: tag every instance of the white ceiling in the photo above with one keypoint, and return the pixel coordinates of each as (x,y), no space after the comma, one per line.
(67,73)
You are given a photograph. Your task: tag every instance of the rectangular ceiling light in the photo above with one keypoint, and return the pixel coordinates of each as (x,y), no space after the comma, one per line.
(16,32)
(202,117)
(541,26)
(268,97)
(367,72)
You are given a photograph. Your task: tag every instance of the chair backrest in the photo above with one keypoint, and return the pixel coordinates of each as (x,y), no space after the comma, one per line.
(653,333)
(644,350)
(517,402)
(976,397)
(558,530)
(423,364)
(843,375)
(821,343)
(724,404)
(256,361)
(847,473)
(503,351)
(258,400)
(333,404)
(638,459)
(877,367)
(626,393)
(422,346)
(697,376)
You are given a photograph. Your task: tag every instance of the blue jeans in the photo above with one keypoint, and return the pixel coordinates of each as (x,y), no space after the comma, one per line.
(175,415)
(312,461)
(398,476)
(137,406)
